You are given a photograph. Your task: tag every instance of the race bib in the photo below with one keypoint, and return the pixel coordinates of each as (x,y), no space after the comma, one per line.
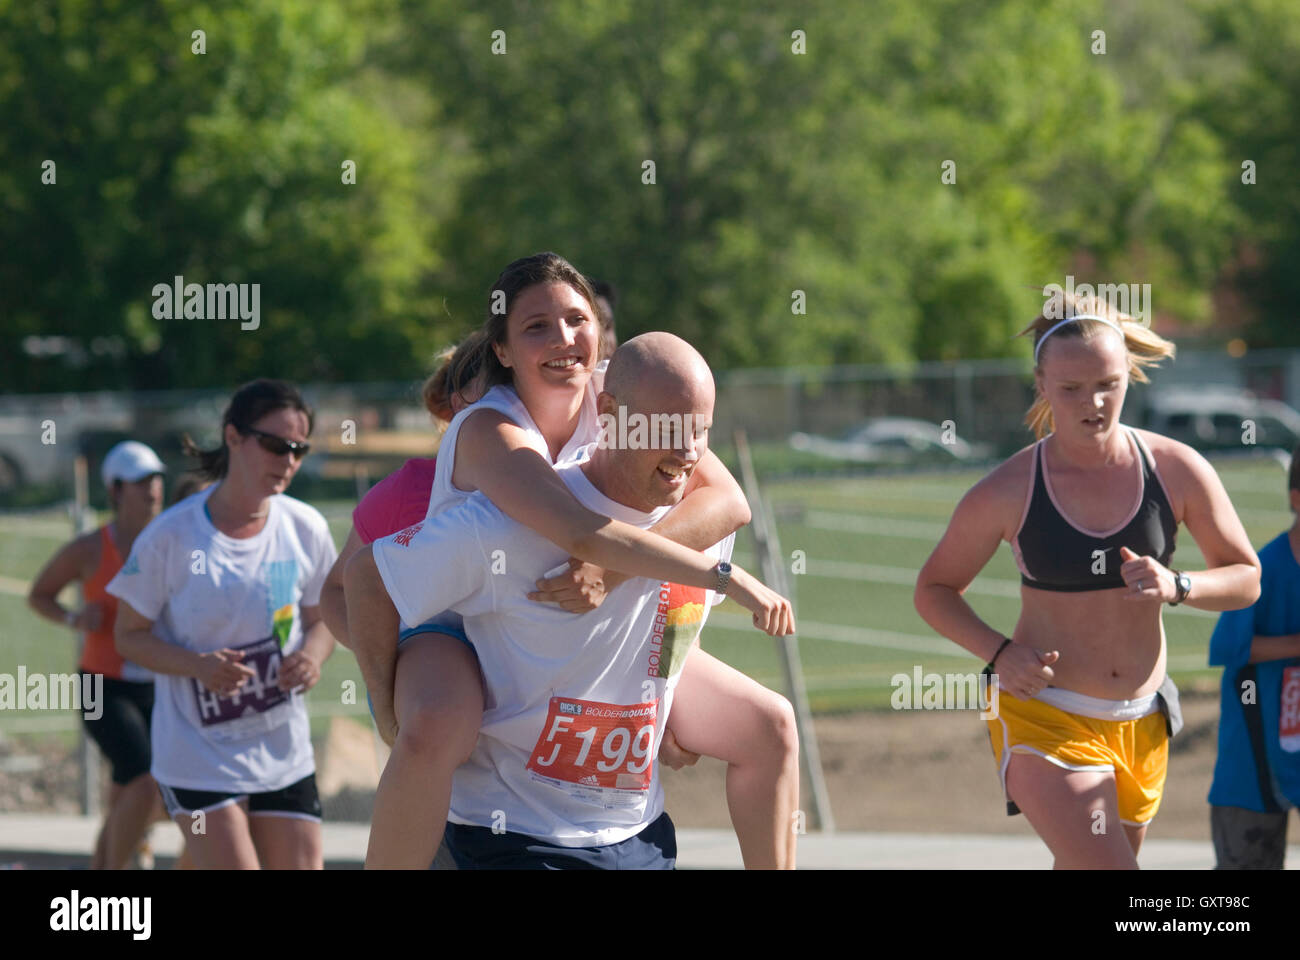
(249,710)
(602,752)
(1289,716)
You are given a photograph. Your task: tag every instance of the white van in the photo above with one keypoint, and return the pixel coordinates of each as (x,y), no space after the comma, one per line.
(1218,418)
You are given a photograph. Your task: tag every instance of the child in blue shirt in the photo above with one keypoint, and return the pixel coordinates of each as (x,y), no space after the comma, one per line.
(1257,773)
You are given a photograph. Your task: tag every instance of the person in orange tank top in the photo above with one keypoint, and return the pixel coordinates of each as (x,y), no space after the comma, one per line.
(133,475)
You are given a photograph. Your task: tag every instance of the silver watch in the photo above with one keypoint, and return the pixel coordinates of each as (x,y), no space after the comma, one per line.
(724,577)
(1183,585)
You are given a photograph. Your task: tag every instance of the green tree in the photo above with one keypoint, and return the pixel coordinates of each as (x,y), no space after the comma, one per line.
(223,166)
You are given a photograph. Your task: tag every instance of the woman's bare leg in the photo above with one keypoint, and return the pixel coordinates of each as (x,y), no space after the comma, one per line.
(287,843)
(128,821)
(1076,813)
(224,842)
(438,699)
(721,713)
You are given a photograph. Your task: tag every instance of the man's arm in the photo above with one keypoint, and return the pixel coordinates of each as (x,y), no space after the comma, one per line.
(713,508)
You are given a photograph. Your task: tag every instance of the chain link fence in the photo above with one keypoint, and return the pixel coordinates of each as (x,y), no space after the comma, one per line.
(364,431)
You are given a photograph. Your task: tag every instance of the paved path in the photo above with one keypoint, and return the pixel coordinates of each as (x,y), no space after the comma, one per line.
(345,843)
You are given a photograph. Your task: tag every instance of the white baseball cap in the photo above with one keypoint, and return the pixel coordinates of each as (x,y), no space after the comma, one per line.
(130,461)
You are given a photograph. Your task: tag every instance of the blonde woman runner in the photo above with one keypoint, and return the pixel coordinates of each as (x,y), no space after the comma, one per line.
(1091,512)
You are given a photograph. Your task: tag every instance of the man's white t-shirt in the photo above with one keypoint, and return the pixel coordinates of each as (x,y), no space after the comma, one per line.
(206,591)
(575,704)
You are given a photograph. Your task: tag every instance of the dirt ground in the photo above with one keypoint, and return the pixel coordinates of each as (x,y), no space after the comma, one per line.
(928,771)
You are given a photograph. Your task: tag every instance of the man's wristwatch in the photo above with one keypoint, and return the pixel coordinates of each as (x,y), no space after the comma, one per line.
(70,617)
(1184,584)
(724,577)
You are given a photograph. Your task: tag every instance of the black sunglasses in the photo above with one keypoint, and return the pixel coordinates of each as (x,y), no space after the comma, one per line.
(278,445)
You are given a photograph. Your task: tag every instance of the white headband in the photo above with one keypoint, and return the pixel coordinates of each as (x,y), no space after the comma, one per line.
(1083,316)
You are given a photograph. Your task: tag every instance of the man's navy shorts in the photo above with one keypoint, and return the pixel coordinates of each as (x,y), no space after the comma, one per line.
(478,848)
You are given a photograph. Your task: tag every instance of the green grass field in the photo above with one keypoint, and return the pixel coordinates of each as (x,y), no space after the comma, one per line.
(863,539)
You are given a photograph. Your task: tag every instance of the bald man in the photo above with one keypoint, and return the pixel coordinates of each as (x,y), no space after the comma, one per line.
(563,772)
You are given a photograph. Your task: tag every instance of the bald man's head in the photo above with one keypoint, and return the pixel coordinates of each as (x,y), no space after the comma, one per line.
(655,364)
(656,410)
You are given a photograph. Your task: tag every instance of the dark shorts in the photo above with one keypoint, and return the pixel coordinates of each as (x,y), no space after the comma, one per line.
(299,800)
(478,848)
(122,729)
(1247,840)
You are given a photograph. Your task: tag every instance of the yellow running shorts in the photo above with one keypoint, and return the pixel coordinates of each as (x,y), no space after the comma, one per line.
(1077,732)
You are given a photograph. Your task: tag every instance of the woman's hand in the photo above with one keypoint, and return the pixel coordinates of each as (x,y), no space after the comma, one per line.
(222,673)
(772,612)
(1023,670)
(579,589)
(1146,578)
(89,618)
(300,669)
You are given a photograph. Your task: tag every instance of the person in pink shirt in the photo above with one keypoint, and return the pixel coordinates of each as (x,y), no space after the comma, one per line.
(401,498)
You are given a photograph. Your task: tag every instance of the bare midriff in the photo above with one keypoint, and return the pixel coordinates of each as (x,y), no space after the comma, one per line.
(1110,647)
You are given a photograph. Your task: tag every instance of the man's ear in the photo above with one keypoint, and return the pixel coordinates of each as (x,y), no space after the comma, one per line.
(606,402)
(1294,496)
(230,436)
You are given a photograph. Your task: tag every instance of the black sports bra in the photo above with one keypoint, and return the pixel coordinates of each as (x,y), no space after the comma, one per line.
(1054,554)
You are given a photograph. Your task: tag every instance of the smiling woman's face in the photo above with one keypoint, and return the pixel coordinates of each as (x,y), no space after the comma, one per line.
(1085,382)
(552,339)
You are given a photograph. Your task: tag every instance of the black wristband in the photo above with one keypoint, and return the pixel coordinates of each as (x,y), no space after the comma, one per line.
(989,667)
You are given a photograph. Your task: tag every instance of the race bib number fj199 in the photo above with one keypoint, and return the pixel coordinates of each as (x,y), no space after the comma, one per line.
(599,746)
(244,710)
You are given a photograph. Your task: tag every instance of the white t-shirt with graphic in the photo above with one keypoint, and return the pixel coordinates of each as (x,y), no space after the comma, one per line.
(576,704)
(206,591)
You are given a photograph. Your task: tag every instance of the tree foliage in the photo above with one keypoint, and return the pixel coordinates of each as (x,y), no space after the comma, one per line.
(793,150)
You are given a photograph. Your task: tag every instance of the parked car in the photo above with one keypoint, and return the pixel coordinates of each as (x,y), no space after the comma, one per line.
(1222,419)
(893,440)
(40,435)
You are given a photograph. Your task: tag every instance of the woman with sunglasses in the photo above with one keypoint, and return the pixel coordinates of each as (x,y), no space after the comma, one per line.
(220,598)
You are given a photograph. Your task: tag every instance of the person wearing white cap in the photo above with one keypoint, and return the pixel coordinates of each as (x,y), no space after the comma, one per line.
(133,476)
